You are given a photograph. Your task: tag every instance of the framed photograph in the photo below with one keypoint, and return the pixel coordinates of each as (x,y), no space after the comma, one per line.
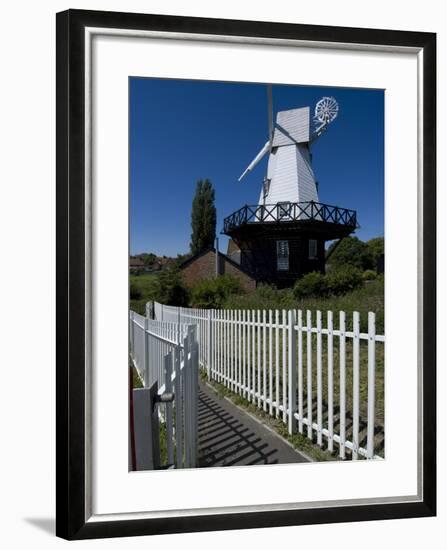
(246,308)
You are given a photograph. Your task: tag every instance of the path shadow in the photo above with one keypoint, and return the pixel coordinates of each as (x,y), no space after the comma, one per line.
(225,441)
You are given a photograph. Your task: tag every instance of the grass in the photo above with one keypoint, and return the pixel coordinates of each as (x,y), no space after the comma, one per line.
(163,446)
(148,286)
(370,297)
(146,283)
(136,380)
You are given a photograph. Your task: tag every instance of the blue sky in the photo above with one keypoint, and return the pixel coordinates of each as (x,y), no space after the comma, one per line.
(182,131)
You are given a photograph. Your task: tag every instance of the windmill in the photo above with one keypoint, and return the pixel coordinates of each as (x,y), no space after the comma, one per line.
(290,177)
(284,235)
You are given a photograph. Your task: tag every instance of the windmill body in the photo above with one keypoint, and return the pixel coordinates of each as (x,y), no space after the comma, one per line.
(284,235)
(290,177)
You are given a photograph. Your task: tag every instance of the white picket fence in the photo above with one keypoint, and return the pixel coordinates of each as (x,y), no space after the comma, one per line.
(166,353)
(295,366)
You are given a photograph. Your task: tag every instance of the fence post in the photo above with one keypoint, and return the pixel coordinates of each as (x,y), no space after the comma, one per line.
(244,365)
(258,343)
(371,383)
(248,368)
(264,359)
(179,417)
(355,384)
(150,310)
(187,400)
(309,373)
(147,380)
(271,362)
(132,336)
(284,366)
(195,398)
(319,382)
(239,386)
(277,379)
(169,424)
(209,341)
(342,384)
(300,371)
(292,371)
(330,379)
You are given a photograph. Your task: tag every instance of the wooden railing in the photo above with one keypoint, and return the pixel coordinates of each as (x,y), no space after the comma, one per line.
(290,212)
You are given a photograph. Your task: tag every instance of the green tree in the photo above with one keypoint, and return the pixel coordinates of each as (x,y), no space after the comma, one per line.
(203,217)
(376,247)
(311,284)
(149,259)
(212,293)
(351,251)
(171,290)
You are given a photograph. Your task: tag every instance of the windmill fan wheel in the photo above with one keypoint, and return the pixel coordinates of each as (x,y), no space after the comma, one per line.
(326,110)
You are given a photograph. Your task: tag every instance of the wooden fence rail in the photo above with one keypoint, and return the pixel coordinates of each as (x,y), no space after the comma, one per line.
(305,368)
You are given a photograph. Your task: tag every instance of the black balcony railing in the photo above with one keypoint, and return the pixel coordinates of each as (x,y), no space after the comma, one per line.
(286,212)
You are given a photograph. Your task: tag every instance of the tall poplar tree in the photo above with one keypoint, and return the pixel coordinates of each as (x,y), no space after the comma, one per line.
(203,217)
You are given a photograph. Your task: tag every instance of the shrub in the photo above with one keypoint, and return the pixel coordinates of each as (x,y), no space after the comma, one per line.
(139,306)
(310,285)
(377,248)
(171,289)
(264,297)
(343,280)
(351,251)
(135,292)
(212,293)
(267,292)
(369,275)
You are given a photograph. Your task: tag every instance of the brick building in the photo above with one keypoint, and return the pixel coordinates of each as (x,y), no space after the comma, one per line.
(203,266)
(136,264)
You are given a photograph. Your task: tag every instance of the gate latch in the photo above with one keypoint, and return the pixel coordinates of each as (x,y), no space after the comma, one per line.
(167,397)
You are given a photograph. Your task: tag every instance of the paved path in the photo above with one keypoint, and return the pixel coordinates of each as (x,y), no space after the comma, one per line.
(230,437)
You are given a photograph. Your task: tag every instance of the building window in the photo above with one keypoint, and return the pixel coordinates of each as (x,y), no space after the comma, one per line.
(282,255)
(313,249)
(284,210)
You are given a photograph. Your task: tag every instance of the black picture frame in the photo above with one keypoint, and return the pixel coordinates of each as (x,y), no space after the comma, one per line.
(71,520)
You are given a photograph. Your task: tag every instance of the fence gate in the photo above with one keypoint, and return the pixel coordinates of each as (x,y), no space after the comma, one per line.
(165,409)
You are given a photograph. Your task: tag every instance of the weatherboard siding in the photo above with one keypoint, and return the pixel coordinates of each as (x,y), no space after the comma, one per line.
(292,178)
(292,127)
(307,189)
(284,181)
